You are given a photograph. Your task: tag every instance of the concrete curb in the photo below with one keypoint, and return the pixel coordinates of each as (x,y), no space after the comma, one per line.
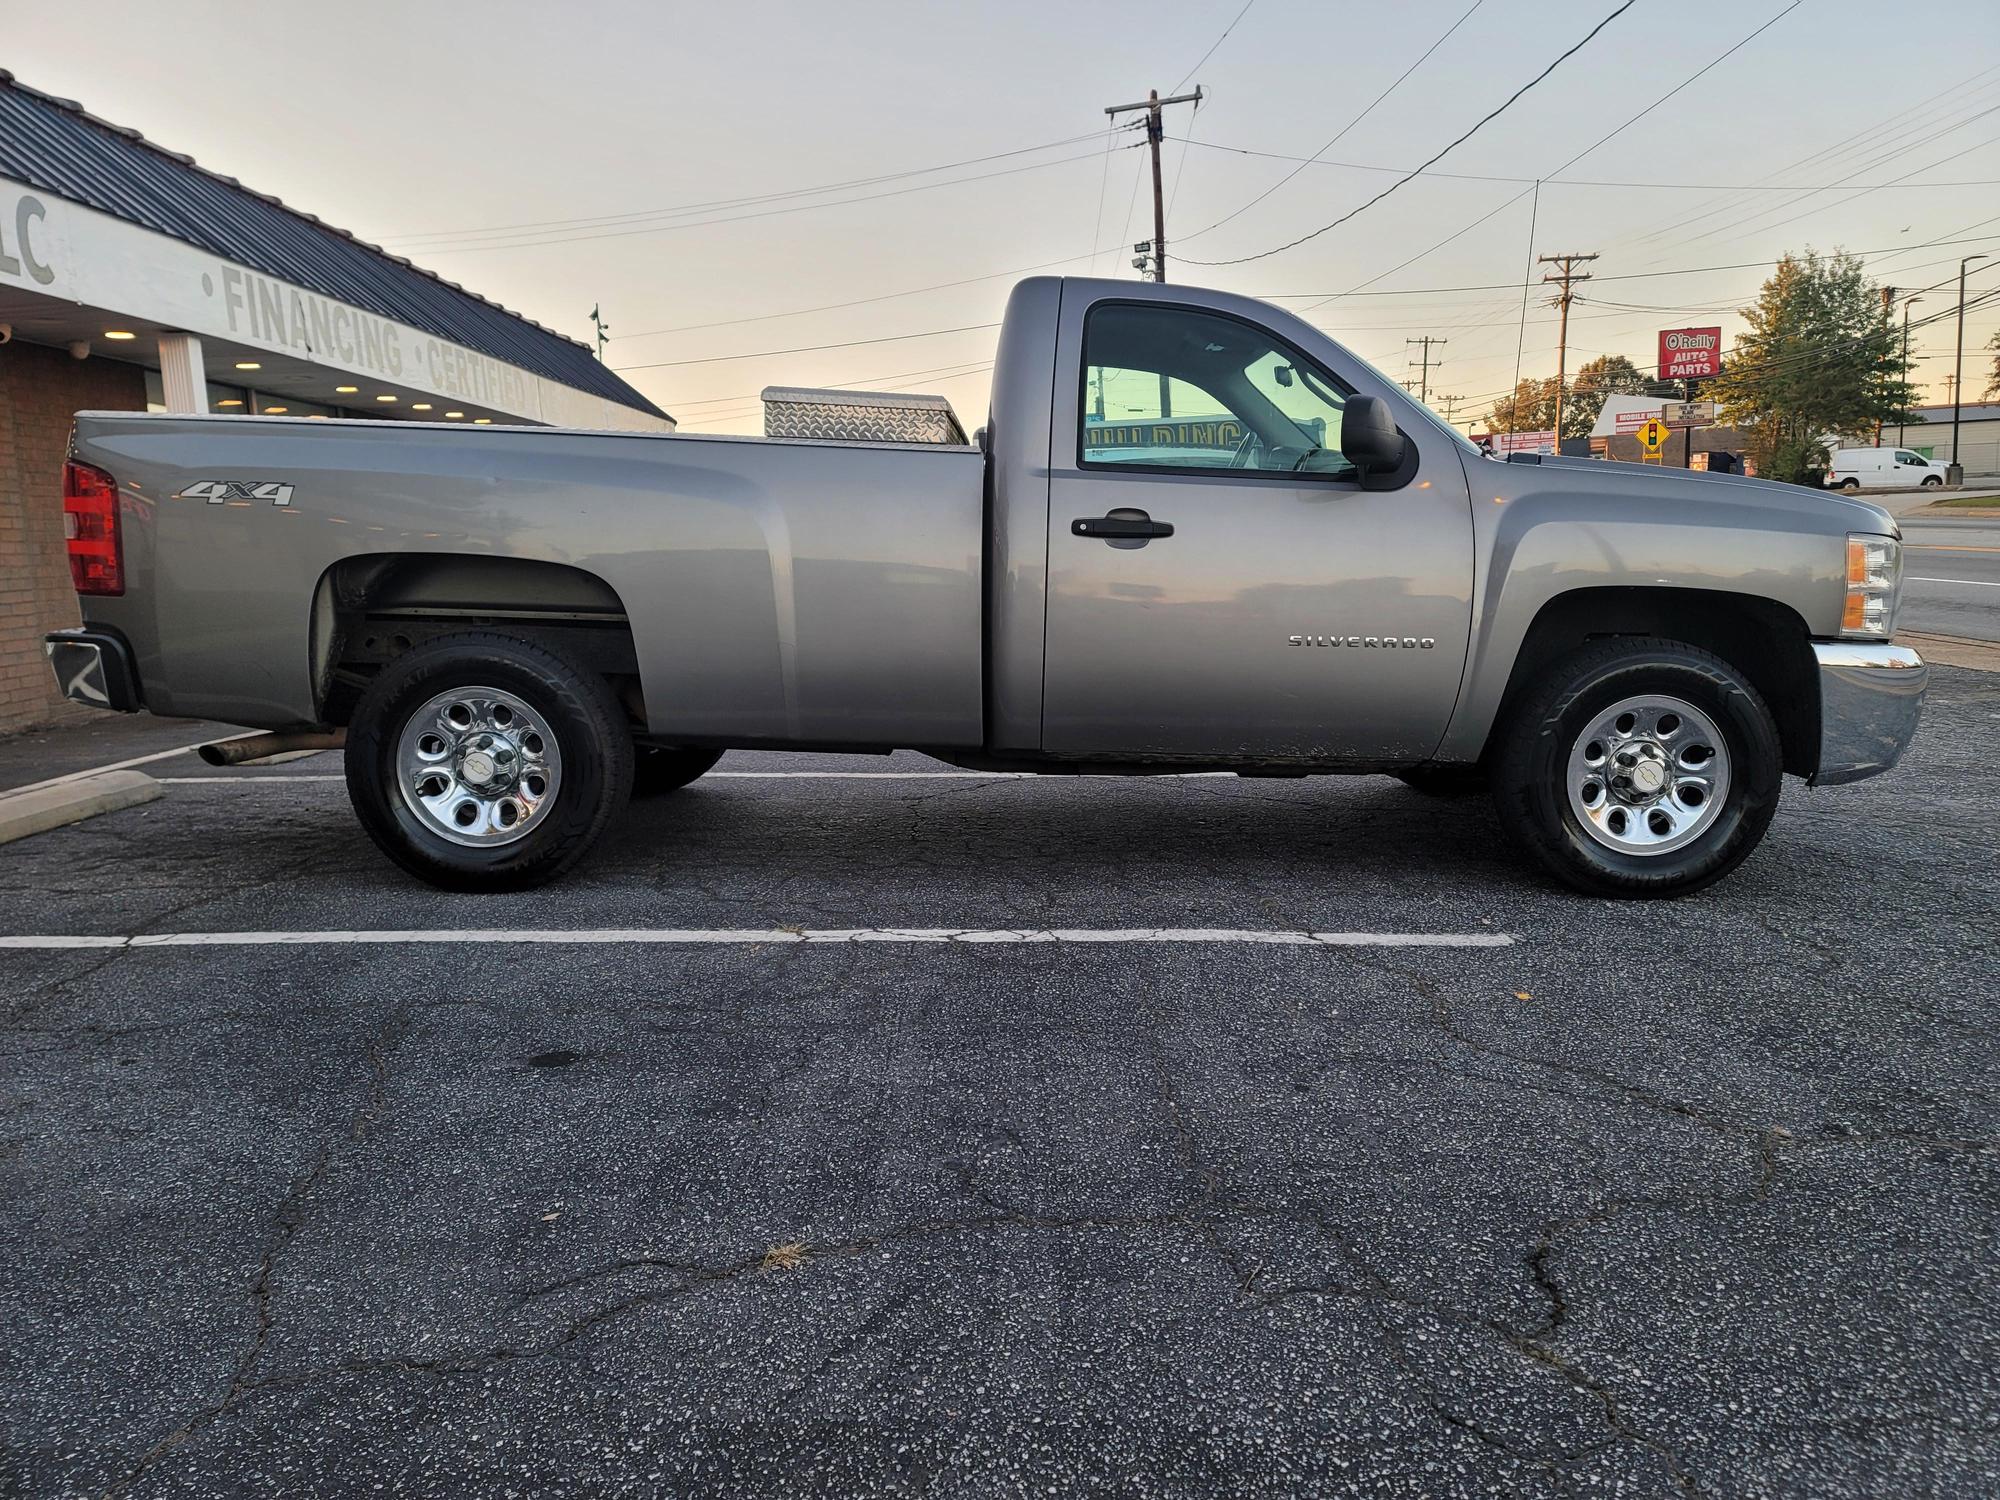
(39,809)
(1943,512)
(1952,650)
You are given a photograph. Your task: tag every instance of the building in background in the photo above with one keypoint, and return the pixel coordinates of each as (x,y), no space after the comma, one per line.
(1978,435)
(132,279)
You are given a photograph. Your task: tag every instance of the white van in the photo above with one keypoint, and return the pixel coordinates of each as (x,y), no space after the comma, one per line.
(1881,468)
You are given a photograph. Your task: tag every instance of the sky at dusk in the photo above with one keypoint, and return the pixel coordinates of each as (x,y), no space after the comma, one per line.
(648,159)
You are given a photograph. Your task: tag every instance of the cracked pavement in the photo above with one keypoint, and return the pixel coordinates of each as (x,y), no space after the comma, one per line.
(1712,1211)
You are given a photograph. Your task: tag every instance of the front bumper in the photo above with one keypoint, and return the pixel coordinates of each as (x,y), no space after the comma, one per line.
(1870,698)
(94,668)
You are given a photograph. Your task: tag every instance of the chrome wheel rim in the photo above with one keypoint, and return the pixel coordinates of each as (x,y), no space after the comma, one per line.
(478,766)
(1648,775)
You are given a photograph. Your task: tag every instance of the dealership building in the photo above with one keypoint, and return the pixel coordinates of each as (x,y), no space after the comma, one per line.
(132,279)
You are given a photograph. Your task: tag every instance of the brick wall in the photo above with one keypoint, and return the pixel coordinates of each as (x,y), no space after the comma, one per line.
(40,389)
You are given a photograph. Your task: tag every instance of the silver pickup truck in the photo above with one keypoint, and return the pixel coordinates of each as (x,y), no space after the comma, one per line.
(1196,534)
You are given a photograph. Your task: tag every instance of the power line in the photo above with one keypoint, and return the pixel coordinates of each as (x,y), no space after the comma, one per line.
(1859,142)
(1304,162)
(1513,286)
(602,220)
(1567,182)
(716,359)
(1813,354)
(1461,140)
(1609,135)
(1212,46)
(769,213)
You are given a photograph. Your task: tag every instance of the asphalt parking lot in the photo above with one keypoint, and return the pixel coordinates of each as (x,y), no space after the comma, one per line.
(1697,1198)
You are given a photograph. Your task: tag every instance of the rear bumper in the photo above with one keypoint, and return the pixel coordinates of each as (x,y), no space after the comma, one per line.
(93,667)
(1870,698)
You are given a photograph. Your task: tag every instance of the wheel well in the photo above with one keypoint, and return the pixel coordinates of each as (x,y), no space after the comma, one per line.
(369,610)
(1766,641)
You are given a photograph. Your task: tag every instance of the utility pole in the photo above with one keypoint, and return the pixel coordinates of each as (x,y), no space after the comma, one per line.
(1155,133)
(1425,364)
(1566,277)
(1157,246)
(1450,405)
(1958,365)
(1888,311)
(1906,365)
(603,332)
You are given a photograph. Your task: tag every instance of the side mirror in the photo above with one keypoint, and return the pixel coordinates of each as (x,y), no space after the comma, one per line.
(1368,436)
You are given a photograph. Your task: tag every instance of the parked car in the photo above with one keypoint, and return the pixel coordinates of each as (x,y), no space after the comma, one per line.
(1312,574)
(1881,468)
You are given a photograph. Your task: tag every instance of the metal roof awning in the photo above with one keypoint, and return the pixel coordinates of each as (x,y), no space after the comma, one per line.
(97,223)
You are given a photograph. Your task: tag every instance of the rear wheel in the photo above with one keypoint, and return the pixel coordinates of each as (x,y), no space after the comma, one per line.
(1850,484)
(480,762)
(1639,767)
(658,769)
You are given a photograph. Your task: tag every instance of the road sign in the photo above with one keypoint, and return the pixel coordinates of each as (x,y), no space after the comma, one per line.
(1690,353)
(1653,437)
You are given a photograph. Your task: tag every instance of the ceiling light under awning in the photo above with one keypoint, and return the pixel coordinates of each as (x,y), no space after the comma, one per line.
(120,334)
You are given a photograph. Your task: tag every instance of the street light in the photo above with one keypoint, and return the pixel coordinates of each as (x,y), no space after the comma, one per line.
(1906,365)
(1958,367)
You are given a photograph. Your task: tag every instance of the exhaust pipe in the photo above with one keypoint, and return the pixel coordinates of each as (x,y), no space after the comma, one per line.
(256,747)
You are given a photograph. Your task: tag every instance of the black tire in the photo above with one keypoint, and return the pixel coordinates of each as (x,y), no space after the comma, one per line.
(659,769)
(1448,782)
(1934,479)
(1850,484)
(1531,763)
(579,708)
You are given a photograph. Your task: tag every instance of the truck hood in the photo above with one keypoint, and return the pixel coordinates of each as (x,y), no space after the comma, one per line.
(1818,511)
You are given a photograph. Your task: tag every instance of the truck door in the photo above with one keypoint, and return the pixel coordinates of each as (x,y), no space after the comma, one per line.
(1220,584)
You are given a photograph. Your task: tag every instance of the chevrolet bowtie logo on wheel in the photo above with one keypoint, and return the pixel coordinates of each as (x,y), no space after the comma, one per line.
(222,491)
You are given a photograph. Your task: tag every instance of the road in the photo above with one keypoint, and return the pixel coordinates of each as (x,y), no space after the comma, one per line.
(1951,571)
(1694,1198)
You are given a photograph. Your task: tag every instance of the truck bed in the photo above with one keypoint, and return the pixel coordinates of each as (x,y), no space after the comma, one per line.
(777,591)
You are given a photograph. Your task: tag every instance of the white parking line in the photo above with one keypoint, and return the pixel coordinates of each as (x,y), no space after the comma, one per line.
(1971,583)
(739,776)
(126,765)
(732,936)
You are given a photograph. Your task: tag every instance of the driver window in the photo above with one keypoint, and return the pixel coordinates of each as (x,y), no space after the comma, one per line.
(1173,387)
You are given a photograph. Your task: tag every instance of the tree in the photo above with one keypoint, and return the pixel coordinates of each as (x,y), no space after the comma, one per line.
(1822,357)
(1532,407)
(1993,380)
(1607,375)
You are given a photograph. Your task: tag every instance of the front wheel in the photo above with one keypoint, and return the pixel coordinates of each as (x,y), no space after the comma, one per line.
(1639,767)
(479,762)
(1933,479)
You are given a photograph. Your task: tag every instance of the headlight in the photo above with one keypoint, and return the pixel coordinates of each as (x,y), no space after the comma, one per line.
(1874,579)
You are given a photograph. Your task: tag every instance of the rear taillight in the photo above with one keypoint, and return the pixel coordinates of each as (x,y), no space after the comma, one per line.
(90,527)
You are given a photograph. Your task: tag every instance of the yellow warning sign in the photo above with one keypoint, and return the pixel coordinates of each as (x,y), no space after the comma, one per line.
(1653,436)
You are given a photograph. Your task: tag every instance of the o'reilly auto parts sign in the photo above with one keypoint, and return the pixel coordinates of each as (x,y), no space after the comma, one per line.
(1690,353)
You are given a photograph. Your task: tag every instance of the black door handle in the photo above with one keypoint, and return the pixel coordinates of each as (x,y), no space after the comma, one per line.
(1121,528)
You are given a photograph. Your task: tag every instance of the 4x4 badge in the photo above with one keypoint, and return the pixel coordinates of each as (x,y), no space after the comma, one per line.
(220,491)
